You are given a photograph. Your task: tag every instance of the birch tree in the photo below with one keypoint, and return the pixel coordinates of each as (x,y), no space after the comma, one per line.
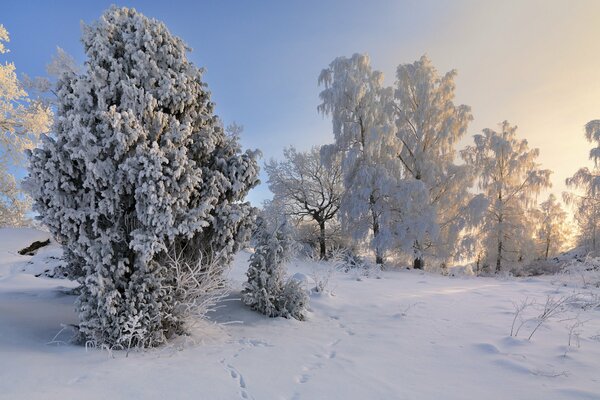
(585,195)
(22,121)
(552,229)
(357,101)
(510,178)
(429,125)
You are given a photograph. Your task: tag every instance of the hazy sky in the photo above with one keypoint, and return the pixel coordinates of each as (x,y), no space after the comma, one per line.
(534,63)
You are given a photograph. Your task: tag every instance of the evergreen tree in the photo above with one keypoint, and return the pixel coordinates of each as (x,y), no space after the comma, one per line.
(266,290)
(139,167)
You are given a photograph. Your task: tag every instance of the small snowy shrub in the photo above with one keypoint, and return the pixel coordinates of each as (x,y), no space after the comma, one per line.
(530,315)
(346,259)
(582,273)
(293,301)
(322,275)
(139,167)
(266,290)
(197,286)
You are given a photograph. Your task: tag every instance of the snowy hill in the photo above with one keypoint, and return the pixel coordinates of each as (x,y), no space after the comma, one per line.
(407,335)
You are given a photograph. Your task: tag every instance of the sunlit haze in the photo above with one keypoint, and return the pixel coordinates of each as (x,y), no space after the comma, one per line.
(534,63)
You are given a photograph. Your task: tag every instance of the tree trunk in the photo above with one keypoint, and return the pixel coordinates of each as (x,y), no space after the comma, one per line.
(378,252)
(594,239)
(499,257)
(500,234)
(418,263)
(547,247)
(322,240)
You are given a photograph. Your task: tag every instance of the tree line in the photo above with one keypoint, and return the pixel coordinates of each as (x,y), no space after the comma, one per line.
(394,180)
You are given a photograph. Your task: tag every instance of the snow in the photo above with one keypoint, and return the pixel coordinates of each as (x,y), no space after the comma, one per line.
(408,335)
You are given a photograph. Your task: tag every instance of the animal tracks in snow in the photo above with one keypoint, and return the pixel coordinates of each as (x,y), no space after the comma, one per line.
(239,378)
(309,370)
(347,330)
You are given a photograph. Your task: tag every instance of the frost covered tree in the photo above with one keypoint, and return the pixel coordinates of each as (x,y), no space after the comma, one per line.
(22,120)
(429,125)
(358,103)
(308,189)
(586,209)
(266,289)
(552,231)
(61,62)
(585,197)
(139,168)
(510,178)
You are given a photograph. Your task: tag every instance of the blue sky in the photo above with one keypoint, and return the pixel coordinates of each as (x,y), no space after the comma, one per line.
(535,63)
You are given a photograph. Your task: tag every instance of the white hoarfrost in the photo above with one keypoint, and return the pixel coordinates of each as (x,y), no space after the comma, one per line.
(429,126)
(585,194)
(308,190)
(552,228)
(268,290)
(357,101)
(22,120)
(510,179)
(138,168)
(397,147)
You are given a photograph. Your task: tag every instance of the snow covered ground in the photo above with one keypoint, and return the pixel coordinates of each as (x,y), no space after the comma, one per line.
(408,335)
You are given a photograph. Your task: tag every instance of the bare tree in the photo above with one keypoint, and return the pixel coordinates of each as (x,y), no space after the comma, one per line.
(308,189)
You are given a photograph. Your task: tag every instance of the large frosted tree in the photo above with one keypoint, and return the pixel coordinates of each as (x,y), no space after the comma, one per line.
(585,195)
(510,178)
(429,126)
(357,101)
(308,189)
(22,120)
(138,172)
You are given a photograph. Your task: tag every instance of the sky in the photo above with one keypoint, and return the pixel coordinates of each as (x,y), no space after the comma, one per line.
(534,63)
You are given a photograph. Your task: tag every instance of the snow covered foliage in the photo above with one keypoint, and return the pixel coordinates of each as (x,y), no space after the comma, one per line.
(357,101)
(308,189)
(139,168)
(267,290)
(397,147)
(585,201)
(585,197)
(429,126)
(581,273)
(552,231)
(509,178)
(22,120)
